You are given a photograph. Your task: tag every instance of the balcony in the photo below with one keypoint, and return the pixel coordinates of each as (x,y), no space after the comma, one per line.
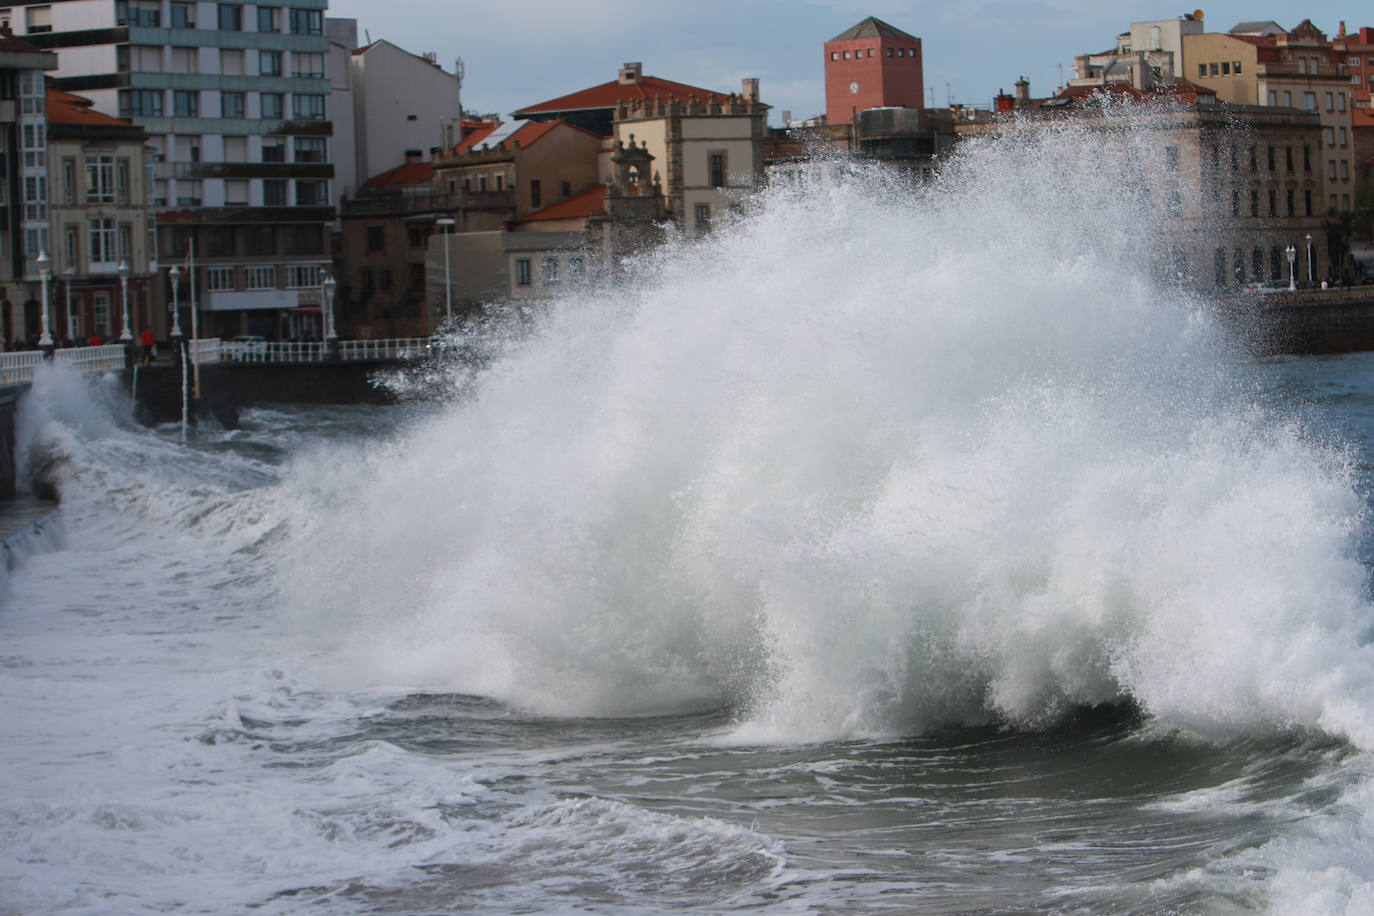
(401,202)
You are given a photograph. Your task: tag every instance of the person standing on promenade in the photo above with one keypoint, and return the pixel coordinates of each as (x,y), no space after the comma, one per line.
(146,338)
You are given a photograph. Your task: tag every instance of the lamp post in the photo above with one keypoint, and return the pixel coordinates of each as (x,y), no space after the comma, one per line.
(1309,259)
(68,275)
(175,274)
(1292,259)
(447,223)
(126,335)
(45,338)
(331,340)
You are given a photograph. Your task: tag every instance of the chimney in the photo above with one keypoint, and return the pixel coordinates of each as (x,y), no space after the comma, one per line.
(631,73)
(750,89)
(1023,91)
(414,155)
(435,152)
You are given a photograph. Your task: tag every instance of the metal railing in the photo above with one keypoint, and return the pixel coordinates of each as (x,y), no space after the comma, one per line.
(265,351)
(17,368)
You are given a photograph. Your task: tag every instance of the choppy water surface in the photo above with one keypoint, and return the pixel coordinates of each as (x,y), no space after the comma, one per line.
(869,581)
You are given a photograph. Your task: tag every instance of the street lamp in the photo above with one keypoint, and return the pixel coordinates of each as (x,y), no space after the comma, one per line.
(1292,259)
(175,274)
(327,285)
(68,276)
(125,335)
(447,223)
(1309,259)
(45,339)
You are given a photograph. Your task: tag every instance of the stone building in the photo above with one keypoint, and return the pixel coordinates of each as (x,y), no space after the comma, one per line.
(99,215)
(1259,63)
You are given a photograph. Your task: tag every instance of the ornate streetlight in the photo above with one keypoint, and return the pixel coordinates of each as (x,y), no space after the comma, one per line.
(331,340)
(447,223)
(68,276)
(1292,259)
(44,274)
(125,335)
(175,274)
(1309,259)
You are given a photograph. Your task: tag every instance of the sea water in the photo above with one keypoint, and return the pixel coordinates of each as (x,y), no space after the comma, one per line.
(890,549)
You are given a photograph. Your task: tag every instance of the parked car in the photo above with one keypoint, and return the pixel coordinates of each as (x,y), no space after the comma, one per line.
(245,347)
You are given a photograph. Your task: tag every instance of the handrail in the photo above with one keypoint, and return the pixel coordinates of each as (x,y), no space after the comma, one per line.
(17,368)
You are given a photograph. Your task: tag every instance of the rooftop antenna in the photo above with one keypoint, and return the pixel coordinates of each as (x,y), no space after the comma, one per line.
(367,35)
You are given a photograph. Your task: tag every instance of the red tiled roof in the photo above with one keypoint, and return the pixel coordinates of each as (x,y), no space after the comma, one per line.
(66,108)
(526,136)
(1182,91)
(591,202)
(608,94)
(410,173)
(1362,118)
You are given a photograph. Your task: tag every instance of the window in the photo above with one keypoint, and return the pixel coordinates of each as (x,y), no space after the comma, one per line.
(1257,263)
(71,247)
(269,105)
(141,59)
(236,192)
(231,62)
(219,278)
(1271,159)
(274,192)
(1331,136)
(188,149)
(376,238)
(835,55)
(1331,169)
(1287,99)
(1235,203)
(1330,102)
(307,107)
(273,149)
(143,13)
(302,239)
(235,149)
(1345,170)
(1309,100)
(307,22)
(703,217)
(1254,201)
(185,104)
(576,269)
(35,197)
(1290,201)
(522,271)
(1273,202)
(230,18)
(231,104)
(1273,98)
(69,181)
(102,311)
(716,166)
(101,242)
(1307,158)
(550,271)
(269,19)
(184,60)
(1175,203)
(1343,136)
(565,188)
(536,193)
(1288,157)
(183,15)
(1202,71)
(384,280)
(189,192)
(1219,266)
(260,278)
(1212,69)
(312,193)
(309,149)
(303,276)
(100,178)
(1307,202)
(269,63)
(1340,101)
(846,55)
(306,64)
(1225,68)
(1235,67)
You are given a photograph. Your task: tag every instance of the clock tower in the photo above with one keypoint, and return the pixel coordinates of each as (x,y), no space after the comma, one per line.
(872,65)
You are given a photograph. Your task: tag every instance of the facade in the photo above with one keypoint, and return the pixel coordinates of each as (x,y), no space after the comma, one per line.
(710,151)
(1358,50)
(1260,64)
(872,65)
(401,101)
(24,226)
(98,213)
(235,101)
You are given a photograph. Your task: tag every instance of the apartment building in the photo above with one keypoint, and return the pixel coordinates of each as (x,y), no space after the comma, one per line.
(1260,63)
(235,101)
(24,227)
(1357,48)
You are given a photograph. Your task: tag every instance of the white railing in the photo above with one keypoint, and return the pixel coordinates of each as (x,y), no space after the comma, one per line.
(18,368)
(265,351)
(205,351)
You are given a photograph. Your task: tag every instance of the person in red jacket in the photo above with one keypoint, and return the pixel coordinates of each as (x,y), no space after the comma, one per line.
(146,338)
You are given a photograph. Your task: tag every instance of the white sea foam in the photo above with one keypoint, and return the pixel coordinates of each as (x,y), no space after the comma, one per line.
(870,461)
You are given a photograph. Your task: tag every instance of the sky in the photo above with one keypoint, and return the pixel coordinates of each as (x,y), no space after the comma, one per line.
(519,52)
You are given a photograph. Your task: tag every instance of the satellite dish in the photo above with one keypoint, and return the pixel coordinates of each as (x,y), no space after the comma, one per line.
(1197,14)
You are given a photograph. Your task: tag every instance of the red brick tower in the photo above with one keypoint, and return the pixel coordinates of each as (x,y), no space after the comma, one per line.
(873,65)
